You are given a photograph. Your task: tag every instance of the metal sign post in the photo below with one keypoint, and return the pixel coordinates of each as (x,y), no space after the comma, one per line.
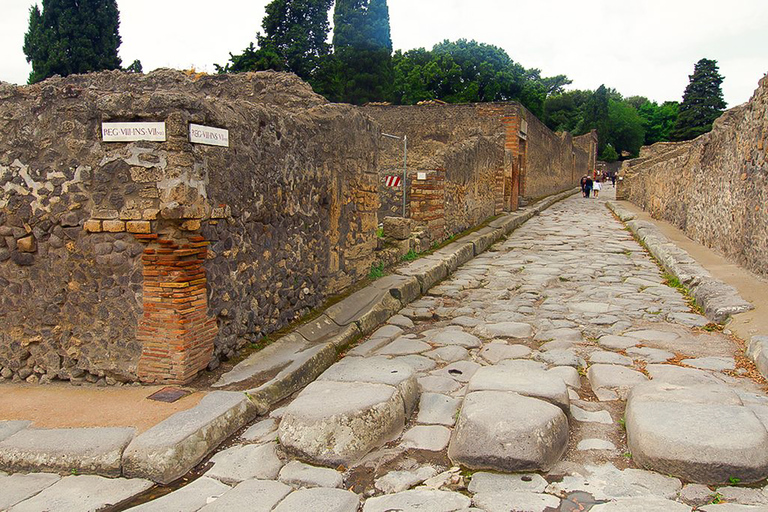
(404,138)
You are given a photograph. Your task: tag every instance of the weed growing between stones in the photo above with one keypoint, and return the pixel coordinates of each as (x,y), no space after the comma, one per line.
(410,256)
(377,271)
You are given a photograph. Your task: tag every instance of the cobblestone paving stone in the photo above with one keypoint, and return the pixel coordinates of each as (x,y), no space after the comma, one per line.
(560,326)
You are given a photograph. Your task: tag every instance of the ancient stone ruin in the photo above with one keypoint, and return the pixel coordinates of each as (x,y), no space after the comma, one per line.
(152,260)
(715,187)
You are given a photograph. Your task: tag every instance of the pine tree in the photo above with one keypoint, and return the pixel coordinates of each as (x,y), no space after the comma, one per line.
(363,48)
(702,102)
(72,36)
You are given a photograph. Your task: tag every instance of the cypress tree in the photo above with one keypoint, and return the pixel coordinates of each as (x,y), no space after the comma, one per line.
(702,102)
(363,48)
(72,36)
(296,30)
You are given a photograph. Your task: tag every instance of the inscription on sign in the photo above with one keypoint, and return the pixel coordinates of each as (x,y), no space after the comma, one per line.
(129,132)
(200,134)
(421,175)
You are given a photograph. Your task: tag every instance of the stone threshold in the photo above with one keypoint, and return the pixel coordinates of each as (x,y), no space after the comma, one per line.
(174,446)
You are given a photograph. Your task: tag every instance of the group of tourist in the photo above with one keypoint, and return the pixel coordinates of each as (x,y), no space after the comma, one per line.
(590,186)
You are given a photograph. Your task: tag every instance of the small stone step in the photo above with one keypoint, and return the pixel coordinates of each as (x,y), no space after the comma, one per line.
(84,492)
(701,433)
(332,423)
(504,431)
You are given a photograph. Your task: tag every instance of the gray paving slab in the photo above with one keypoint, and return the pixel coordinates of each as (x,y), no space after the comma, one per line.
(711,363)
(298,474)
(451,336)
(174,446)
(327,500)
(645,504)
(19,486)
(421,500)
(86,493)
(404,346)
(261,430)
(448,354)
(189,498)
(433,438)
(438,384)
(250,495)
(615,342)
(504,330)
(496,482)
(495,352)
(8,428)
(504,501)
(377,370)
(438,409)
(246,462)
(613,382)
(398,481)
(733,507)
(84,450)
(536,384)
(356,417)
(461,371)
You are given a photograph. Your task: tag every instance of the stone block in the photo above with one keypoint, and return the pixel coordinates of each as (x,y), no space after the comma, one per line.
(535,384)
(377,370)
(84,492)
(174,446)
(92,226)
(190,225)
(113,226)
(85,450)
(428,272)
(138,226)
(700,434)
(245,462)
(503,431)
(105,214)
(418,499)
(8,428)
(298,474)
(192,496)
(150,214)
(253,495)
(327,500)
(18,487)
(356,418)
(398,228)
(26,244)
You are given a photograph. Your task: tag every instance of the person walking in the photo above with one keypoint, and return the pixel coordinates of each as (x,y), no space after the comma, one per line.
(583,184)
(588,187)
(596,188)
(613,180)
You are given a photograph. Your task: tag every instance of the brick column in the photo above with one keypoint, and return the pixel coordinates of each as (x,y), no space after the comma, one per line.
(427,200)
(511,161)
(175,331)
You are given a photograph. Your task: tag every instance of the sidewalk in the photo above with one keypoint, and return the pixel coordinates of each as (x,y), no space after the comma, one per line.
(752,288)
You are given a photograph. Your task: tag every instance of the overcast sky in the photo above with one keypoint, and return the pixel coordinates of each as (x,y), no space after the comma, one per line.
(639,47)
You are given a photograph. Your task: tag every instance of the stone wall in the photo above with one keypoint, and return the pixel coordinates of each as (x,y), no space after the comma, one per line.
(491,153)
(107,248)
(715,187)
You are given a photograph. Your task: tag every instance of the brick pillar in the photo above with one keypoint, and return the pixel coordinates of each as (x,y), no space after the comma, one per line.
(511,161)
(427,200)
(175,331)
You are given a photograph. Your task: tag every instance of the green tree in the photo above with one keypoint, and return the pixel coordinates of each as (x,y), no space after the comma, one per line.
(702,101)
(295,40)
(658,120)
(609,154)
(362,47)
(624,128)
(72,36)
(564,112)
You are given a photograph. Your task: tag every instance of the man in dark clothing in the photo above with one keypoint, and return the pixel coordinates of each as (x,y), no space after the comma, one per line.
(583,184)
(613,179)
(587,187)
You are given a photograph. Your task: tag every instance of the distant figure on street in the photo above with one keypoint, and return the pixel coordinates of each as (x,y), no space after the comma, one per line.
(613,180)
(584,185)
(596,187)
(588,187)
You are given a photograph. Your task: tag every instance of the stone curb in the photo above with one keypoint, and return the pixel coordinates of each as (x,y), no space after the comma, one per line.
(718,299)
(174,446)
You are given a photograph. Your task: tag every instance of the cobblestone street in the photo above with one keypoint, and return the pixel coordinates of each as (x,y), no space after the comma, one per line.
(554,372)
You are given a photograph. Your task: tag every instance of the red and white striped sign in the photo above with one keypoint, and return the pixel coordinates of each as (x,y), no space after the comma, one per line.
(393,181)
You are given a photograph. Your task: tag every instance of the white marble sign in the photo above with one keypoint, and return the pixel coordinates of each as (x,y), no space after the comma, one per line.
(421,175)
(129,132)
(199,134)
